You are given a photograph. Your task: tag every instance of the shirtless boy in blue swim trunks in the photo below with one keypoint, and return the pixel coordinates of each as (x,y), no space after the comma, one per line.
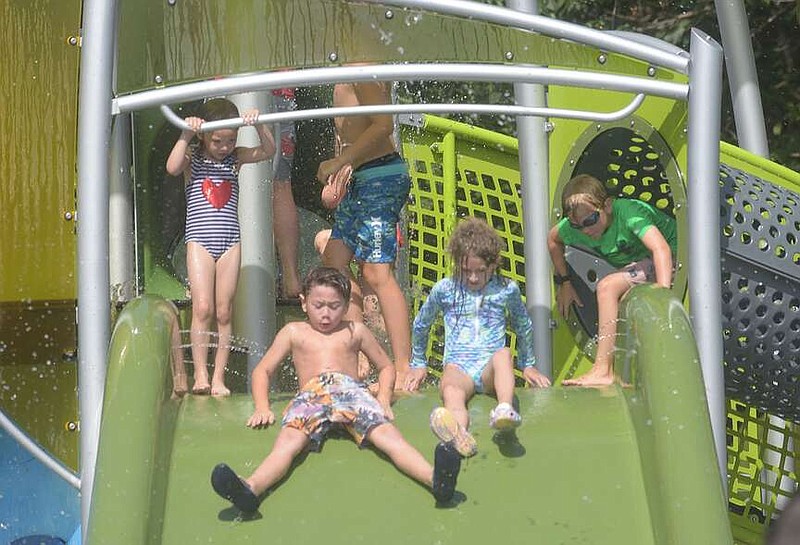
(365,220)
(324,352)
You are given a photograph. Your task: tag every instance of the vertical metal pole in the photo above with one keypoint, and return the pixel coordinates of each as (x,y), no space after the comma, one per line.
(94,320)
(748,112)
(705,279)
(535,176)
(254,307)
(120,212)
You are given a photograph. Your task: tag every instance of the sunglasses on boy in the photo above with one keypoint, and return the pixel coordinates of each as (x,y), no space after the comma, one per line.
(588,221)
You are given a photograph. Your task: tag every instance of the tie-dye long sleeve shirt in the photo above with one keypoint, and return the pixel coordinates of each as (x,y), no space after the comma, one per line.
(474,322)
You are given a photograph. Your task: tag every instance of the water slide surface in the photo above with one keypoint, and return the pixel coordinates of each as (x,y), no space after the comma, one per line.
(587,466)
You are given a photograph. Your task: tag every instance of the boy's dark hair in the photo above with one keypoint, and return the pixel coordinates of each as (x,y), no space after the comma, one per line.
(327,276)
(217,109)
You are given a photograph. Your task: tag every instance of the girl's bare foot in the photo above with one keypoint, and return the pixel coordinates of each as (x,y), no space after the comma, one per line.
(180,384)
(201,385)
(219,390)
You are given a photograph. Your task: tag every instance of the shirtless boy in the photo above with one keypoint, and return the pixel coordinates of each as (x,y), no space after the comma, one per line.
(366,218)
(324,352)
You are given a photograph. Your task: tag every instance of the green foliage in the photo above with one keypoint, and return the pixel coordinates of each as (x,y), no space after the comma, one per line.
(774,25)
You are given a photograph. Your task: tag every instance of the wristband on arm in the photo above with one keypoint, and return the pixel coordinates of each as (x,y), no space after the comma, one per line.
(559,279)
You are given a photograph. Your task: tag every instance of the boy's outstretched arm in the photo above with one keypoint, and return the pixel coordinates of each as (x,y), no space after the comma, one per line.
(386,370)
(565,292)
(662,255)
(280,348)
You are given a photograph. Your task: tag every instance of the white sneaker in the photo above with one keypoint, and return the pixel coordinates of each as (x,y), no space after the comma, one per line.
(504,417)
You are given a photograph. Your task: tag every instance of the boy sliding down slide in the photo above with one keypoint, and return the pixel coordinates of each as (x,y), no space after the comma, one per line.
(324,352)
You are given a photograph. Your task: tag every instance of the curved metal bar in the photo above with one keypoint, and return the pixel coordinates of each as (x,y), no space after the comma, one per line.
(497,109)
(391,72)
(38,452)
(547,26)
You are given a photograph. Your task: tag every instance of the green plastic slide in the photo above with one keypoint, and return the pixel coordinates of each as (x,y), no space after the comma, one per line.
(629,464)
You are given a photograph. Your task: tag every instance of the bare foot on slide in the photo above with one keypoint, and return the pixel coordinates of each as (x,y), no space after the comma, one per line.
(180,384)
(219,390)
(592,378)
(201,388)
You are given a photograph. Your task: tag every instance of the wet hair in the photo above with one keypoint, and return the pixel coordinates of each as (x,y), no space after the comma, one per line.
(217,109)
(583,188)
(473,236)
(330,277)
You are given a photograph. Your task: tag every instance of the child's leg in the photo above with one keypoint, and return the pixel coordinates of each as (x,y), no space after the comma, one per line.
(388,439)
(289,443)
(609,291)
(441,478)
(227,278)
(180,384)
(201,270)
(244,494)
(450,423)
(287,233)
(338,256)
(457,389)
(321,240)
(498,376)
(380,278)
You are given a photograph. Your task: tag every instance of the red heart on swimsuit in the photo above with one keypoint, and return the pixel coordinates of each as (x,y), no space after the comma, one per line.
(217,194)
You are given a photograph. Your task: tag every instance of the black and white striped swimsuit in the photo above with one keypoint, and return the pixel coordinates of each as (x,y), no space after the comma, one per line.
(212,199)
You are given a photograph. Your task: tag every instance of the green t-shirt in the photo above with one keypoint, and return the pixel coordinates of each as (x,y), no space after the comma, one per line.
(621,243)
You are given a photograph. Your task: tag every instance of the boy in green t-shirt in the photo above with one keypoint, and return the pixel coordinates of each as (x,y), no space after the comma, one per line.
(631,235)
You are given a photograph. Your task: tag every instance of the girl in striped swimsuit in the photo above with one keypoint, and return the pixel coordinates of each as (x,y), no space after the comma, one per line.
(211,172)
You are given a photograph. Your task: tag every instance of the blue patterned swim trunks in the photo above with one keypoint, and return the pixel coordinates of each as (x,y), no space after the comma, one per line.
(367,217)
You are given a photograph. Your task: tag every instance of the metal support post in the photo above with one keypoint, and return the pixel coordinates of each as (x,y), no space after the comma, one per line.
(534,172)
(94,319)
(748,113)
(120,213)
(254,307)
(705,277)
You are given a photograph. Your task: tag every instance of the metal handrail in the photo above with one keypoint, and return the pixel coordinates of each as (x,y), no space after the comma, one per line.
(549,27)
(317,113)
(24,440)
(486,72)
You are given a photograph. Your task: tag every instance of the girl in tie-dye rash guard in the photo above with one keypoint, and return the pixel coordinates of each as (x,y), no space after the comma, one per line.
(476,304)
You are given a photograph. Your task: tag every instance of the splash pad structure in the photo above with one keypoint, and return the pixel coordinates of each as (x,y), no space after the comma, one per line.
(174,52)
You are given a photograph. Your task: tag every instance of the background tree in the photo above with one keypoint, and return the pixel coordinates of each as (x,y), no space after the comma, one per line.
(773,28)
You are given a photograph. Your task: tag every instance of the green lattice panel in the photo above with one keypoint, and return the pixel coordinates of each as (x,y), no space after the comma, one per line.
(486,186)
(762,474)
